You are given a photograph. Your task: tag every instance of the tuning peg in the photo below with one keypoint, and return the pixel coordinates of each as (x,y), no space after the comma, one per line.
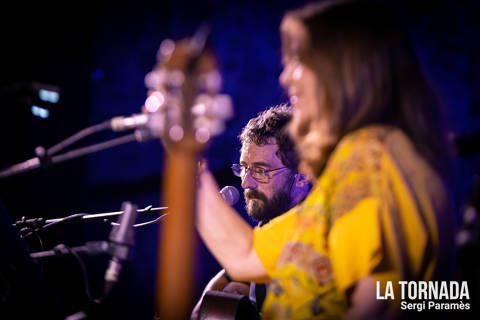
(155,101)
(210,82)
(166,49)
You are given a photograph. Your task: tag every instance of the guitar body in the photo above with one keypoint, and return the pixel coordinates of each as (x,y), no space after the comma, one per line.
(219,305)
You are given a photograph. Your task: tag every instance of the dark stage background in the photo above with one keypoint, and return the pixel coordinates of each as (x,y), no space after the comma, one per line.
(98,55)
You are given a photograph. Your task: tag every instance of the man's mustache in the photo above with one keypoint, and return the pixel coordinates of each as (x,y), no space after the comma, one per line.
(254,194)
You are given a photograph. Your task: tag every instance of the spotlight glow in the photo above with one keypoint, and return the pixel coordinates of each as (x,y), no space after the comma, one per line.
(40,112)
(48,96)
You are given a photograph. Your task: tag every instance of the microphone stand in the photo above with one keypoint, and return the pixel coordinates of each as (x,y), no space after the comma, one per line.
(121,240)
(122,235)
(90,247)
(37,224)
(44,160)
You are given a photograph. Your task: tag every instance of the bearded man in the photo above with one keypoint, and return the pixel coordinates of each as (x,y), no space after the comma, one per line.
(272,185)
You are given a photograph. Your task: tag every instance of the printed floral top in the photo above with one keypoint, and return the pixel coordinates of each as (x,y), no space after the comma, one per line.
(378,209)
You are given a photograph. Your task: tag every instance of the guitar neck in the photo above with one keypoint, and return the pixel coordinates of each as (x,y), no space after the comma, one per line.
(175,279)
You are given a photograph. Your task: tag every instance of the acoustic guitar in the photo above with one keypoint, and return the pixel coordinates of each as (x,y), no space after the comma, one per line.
(186,111)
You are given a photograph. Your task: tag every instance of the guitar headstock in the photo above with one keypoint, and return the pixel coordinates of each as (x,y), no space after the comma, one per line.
(184,102)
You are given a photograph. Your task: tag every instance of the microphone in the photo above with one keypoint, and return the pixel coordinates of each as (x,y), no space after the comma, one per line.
(121,238)
(128,123)
(230,194)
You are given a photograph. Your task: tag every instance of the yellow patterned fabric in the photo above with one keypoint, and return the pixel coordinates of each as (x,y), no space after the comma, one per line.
(378,210)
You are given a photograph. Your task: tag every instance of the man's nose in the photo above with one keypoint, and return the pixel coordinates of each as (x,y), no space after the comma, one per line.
(248,182)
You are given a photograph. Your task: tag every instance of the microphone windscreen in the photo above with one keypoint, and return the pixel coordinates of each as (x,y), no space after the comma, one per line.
(230,194)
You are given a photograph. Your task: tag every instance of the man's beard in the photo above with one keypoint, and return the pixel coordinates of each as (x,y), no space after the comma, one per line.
(263,209)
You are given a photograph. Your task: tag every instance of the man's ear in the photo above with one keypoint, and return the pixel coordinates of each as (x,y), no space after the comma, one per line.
(301,180)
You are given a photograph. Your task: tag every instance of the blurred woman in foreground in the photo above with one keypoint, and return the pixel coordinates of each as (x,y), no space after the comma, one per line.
(370,132)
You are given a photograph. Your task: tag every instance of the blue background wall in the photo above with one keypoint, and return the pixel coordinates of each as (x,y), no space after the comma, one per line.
(99,56)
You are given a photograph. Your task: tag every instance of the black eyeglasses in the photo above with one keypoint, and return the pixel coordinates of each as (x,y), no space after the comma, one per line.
(258,173)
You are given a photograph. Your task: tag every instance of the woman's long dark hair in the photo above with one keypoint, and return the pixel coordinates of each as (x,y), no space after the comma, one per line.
(370,74)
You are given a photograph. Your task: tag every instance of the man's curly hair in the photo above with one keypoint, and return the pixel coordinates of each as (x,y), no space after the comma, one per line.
(271,123)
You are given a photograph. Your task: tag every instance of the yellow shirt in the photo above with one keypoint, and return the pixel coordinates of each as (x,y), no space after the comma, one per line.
(378,209)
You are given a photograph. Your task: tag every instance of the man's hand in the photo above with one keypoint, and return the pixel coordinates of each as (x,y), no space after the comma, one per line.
(217,283)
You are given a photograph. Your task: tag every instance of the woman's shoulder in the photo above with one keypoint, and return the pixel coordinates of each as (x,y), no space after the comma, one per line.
(371,142)
(380,150)
(371,135)
(365,144)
